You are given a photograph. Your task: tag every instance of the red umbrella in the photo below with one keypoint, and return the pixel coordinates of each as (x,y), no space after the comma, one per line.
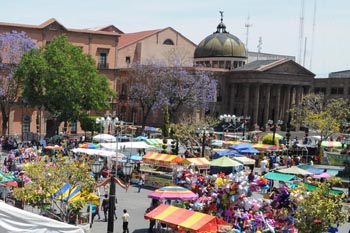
(11,183)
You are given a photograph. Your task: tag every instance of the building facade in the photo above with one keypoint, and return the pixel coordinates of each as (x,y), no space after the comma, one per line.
(259,86)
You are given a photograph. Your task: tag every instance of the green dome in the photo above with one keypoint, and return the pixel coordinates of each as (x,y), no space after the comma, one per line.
(220,44)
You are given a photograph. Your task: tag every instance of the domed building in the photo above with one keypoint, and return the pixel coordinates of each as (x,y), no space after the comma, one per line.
(261,90)
(220,50)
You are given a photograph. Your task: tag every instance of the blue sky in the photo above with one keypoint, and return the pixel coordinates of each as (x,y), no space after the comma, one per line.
(275,21)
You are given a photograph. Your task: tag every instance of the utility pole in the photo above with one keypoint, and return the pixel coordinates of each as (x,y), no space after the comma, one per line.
(301,32)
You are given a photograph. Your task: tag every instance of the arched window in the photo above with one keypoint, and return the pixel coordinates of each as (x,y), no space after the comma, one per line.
(168,42)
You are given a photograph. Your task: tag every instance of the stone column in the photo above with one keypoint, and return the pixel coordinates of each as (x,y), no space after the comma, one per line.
(267,103)
(288,93)
(246,99)
(299,95)
(256,104)
(277,102)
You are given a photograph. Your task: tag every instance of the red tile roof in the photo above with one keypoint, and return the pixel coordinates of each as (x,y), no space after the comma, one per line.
(129,38)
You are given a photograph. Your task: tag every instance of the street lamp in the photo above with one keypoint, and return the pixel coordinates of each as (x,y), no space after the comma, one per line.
(96,168)
(204,132)
(244,120)
(127,170)
(229,119)
(273,127)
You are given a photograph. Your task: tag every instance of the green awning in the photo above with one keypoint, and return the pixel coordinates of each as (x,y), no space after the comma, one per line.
(279,176)
(311,187)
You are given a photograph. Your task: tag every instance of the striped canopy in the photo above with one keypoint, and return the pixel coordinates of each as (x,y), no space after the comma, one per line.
(173,193)
(198,162)
(331,144)
(66,192)
(161,159)
(154,142)
(188,220)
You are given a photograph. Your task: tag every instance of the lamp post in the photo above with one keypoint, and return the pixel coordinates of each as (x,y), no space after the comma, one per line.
(96,168)
(127,170)
(273,126)
(244,120)
(110,226)
(230,121)
(204,132)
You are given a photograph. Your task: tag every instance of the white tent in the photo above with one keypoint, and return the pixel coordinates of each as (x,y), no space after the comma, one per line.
(127,145)
(14,220)
(104,138)
(103,153)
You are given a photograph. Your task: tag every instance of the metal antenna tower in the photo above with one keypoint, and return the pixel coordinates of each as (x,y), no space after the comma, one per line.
(301,31)
(247,25)
(313,34)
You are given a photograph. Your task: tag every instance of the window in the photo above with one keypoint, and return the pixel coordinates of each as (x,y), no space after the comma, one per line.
(26,124)
(73,127)
(102,59)
(123,93)
(128,60)
(168,42)
(218,93)
(337,91)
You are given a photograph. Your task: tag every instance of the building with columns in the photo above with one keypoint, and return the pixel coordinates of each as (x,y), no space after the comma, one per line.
(263,89)
(261,86)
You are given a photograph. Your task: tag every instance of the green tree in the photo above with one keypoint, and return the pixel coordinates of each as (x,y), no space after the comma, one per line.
(319,208)
(88,123)
(46,180)
(64,81)
(320,114)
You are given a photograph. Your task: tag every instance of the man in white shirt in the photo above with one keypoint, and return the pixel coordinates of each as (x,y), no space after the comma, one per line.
(263,165)
(125,218)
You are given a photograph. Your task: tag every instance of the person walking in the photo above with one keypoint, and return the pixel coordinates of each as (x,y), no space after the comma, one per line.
(140,184)
(125,218)
(93,209)
(105,206)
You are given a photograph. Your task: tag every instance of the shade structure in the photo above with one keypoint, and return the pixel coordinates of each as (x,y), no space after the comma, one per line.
(315,171)
(157,142)
(173,193)
(66,192)
(323,175)
(218,143)
(294,170)
(188,220)
(13,219)
(224,162)
(89,146)
(136,157)
(140,138)
(311,187)
(279,176)
(89,198)
(244,148)
(104,138)
(197,162)
(244,160)
(161,159)
(225,152)
(55,147)
(331,144)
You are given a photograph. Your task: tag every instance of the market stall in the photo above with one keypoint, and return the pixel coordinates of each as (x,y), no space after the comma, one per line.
(157,169)
(188,220)
(199,163)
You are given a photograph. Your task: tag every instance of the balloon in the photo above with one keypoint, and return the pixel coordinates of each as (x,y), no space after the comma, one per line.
(188,180)
(232,199)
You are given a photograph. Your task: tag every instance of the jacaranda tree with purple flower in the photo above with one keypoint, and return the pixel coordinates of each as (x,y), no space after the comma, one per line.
(12,47)
(182,89)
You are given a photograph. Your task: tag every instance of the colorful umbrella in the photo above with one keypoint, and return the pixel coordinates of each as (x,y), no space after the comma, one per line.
(89,146)
(173,193)
(330,144)
(323,175)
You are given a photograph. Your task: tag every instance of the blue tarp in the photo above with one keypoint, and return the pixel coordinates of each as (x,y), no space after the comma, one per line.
(228,153)
(244,148)
(314,171)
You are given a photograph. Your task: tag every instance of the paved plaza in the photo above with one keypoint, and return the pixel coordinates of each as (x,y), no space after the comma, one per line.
(136,205)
